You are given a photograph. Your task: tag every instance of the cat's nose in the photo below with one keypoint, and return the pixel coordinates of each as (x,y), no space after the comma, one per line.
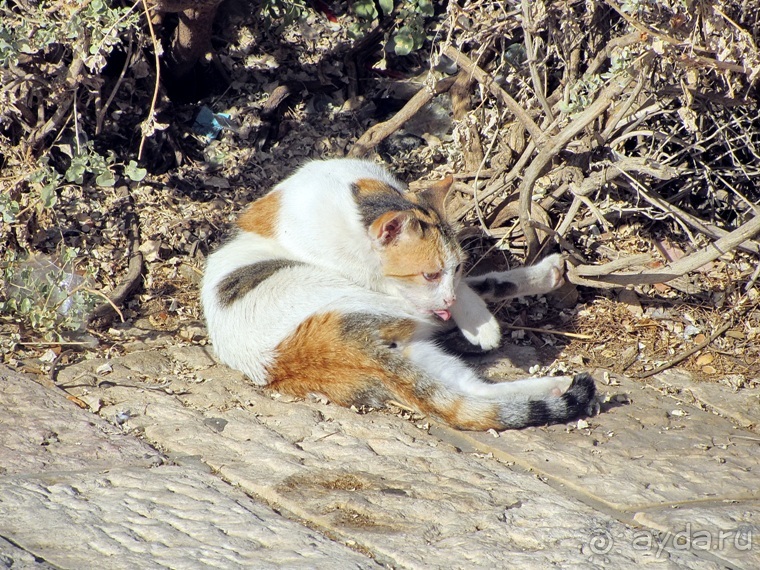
(450,301)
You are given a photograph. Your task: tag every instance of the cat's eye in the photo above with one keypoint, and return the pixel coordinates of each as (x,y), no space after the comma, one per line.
(432,276)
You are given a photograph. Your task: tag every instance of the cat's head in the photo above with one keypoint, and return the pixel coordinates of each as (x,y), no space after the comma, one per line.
(419,254)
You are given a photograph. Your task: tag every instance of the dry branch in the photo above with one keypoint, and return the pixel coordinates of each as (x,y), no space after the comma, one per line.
(683,356)
(553,146)
(487,81)
(103,313)
(379,132)
(61,113)
(607,279)
(689,47)
(622,168)
(538,88)
(468,135)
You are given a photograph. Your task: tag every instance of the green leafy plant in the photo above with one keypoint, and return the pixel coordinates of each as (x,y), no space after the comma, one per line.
(9,208)
(45,181)
(409,35)
(90,28)
(284,11)
(85,160)
(134,172)
(582,94)
(47,294)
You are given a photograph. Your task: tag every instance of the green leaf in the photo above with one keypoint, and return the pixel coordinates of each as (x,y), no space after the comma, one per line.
(105,178)
(48,195)
(75,172)
(134,172)
(425,7)
(386,6)
(403,42)
(69,254)
(9,208)
(365,9)
(418,37)
(66,149)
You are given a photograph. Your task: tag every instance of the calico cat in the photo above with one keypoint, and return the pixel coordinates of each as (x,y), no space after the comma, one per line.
(336,282)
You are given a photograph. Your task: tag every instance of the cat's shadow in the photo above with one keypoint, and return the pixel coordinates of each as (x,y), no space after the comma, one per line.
(507,362)
(514,361)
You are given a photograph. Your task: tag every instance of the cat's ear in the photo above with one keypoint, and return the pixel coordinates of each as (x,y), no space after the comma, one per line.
(435,194)
(388,227)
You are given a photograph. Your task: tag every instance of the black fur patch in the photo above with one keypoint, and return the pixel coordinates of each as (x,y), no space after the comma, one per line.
(577,399)
(538,413)
(372,205)
(245,279)
(375,204)
(494,288)
(579,395)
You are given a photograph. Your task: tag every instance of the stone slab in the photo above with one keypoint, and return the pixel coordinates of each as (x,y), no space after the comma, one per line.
(730,532)
(78,492)
(377,482)
(644,450)
(41,431)
(167,517)
(12,556)
(739,403)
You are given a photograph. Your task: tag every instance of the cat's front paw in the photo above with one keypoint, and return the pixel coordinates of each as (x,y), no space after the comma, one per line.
(552,271)
(487,335)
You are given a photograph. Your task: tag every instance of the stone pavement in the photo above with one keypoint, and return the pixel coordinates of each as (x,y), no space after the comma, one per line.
(162,458)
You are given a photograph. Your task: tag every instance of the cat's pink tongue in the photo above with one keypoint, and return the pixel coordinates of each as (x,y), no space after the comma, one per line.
(444,314)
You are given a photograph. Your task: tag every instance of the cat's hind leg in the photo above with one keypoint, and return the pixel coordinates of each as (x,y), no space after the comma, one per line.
(365,359)
(463,399)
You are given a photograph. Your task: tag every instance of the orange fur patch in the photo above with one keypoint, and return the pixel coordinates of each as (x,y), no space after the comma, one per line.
(261,217)
(414,253)
(465,415)
(368,186)
(318,358)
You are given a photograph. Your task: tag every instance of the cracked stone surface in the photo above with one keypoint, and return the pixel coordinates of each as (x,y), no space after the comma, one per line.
(77,492)
(171,516)
(729,531)
(646,449)
(730,398)
(250,478)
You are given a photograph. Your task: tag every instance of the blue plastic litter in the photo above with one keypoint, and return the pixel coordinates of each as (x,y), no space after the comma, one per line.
(209,124)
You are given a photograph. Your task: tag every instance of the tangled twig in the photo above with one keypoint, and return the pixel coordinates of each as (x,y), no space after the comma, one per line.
(605,277)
